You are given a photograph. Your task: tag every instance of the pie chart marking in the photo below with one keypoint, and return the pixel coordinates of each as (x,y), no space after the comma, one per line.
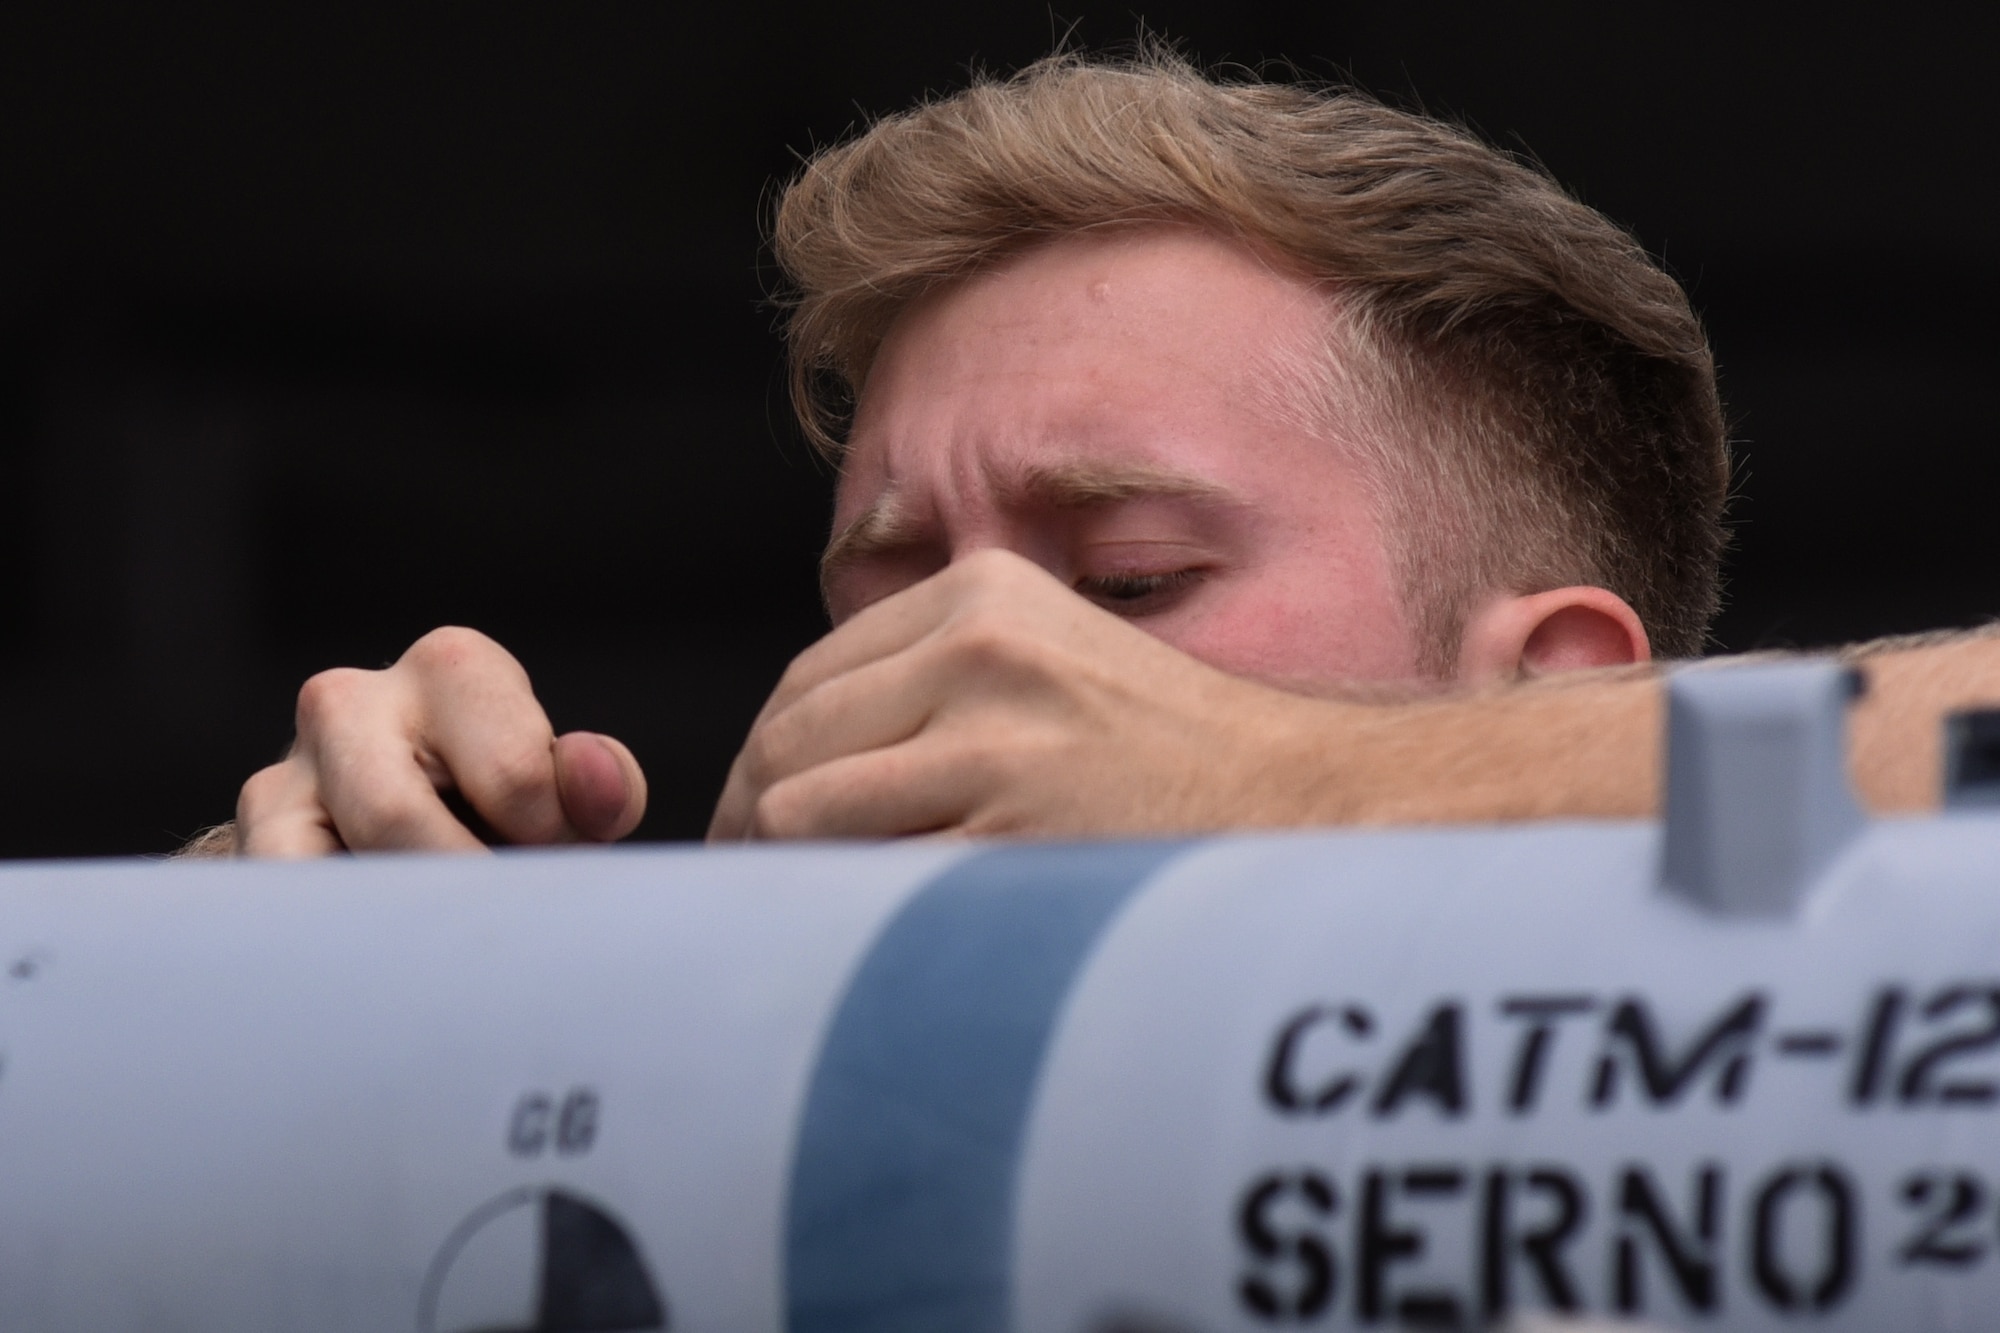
(539,1261)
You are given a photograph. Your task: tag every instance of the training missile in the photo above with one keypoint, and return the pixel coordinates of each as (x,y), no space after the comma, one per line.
(1736,1068)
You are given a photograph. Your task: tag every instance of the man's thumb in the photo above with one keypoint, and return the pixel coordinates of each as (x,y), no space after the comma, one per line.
(602,788)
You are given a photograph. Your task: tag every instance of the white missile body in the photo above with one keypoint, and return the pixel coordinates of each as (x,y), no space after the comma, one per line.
(1740,1070)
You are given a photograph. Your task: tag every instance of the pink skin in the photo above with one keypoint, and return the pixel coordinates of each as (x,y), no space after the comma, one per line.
(1135,356)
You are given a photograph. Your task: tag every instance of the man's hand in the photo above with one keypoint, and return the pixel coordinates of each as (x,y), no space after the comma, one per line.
(992,700)
(989,699)
(378,750)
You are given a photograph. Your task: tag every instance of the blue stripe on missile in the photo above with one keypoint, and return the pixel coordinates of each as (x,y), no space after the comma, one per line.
(901,1209)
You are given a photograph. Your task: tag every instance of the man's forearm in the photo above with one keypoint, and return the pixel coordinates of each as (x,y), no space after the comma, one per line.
(1580,745)
(1589,744)
(1914,683)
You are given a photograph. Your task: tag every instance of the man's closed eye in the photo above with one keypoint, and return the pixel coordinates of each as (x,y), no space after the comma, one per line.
(1140,594)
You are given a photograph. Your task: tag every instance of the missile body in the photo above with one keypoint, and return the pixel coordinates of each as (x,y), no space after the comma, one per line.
(1331,1080)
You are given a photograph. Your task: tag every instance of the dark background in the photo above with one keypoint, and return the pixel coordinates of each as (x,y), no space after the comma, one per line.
(317,330)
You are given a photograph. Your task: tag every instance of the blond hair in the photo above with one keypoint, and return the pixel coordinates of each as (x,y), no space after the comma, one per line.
(1550,394)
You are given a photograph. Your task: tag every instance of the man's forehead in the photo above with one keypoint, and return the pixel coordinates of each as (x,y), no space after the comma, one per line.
(1158,363)
(1172,300)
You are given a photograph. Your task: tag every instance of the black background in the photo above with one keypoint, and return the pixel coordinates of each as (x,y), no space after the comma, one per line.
(319,328)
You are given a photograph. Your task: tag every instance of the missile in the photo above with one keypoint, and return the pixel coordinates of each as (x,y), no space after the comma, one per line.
(1735,1068)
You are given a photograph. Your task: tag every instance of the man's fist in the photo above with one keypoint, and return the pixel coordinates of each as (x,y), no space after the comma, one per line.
(377,752)
(990,699)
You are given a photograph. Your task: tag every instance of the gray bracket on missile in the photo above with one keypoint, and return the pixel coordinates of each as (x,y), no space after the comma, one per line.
(1757,795)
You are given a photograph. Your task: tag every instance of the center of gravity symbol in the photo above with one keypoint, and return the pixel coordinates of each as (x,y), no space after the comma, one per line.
(539,1261)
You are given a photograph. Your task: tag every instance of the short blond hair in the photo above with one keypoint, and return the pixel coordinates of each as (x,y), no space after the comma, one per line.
(1553,393)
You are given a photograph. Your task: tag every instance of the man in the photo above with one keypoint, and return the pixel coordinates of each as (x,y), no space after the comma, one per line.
(1169,413)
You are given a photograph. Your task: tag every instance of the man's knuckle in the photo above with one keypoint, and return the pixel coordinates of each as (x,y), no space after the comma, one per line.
(756,772)
(325,698)
(990,642)
(448,646)
(981,632)
(778,812)
(773,752)
(797,674)
(264,791)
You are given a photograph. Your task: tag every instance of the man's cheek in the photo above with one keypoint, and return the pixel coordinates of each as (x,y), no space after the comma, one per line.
(1294,643)
(1258,638)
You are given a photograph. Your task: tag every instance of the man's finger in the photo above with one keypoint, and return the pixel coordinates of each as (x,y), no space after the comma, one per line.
(875,705)
(278,814)
(291,836)
(923,786)
(378,800)
(602,787)
(362,764)
(895,623)
(480,729)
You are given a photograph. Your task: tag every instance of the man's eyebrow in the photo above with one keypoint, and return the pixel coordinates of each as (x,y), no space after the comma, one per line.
(1082,483)
(885,526)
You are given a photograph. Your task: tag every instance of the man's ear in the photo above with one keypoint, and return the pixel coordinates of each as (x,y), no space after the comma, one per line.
(1564,629)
